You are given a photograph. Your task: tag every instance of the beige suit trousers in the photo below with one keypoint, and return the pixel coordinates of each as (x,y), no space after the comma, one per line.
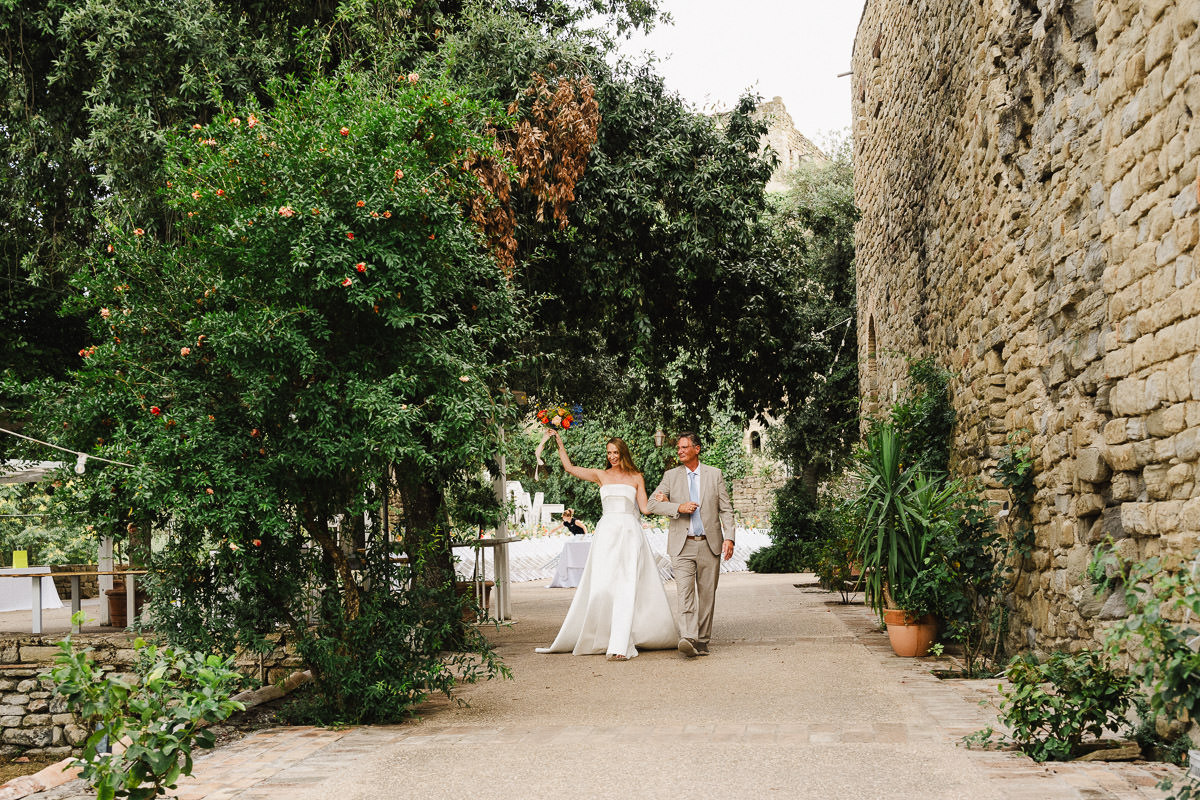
(697,570)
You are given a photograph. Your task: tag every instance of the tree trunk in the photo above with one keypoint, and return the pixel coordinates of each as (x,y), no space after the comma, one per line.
(810,479)
(426,535)
(317,526)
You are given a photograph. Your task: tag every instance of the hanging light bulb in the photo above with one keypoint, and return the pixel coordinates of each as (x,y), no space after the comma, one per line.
(80,463)
(659,437)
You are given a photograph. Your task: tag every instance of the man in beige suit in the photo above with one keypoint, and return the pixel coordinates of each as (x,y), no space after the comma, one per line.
(694,496)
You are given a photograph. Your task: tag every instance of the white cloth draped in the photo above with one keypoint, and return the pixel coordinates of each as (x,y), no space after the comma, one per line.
(536,559)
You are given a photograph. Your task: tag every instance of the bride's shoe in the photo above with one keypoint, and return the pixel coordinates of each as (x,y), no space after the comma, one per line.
(616,657)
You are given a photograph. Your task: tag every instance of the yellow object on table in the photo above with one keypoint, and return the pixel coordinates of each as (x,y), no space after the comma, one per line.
(20,559)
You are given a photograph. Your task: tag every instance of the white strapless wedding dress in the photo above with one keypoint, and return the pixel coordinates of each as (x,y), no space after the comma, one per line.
(620,603)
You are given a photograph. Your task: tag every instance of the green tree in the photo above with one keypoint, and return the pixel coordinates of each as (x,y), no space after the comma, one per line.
(326,311)
(657,292)
(29,521)
(814,234)
(89,90)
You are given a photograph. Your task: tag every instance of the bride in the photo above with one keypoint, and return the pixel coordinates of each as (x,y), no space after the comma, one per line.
(620,603)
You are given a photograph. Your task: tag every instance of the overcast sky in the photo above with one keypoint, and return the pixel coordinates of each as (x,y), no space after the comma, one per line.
(792,48)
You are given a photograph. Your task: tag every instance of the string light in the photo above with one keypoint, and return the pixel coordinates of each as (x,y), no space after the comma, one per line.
(80,458)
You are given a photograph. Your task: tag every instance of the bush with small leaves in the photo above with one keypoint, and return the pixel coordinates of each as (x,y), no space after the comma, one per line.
(1051,706)
(152,722)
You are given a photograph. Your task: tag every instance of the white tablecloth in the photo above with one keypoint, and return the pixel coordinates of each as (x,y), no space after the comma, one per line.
(536,559)
(16,594)
(571,562)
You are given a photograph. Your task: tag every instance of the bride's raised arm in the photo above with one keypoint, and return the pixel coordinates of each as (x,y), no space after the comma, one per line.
(582,473)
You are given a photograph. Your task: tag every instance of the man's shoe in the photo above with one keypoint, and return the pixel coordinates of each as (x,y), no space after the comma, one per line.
(702,648)
(687,648)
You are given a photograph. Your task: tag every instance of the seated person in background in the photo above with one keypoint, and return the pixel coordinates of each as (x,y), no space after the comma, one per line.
(572,525)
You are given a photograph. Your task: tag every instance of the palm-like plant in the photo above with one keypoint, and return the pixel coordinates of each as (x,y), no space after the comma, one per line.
(903,513)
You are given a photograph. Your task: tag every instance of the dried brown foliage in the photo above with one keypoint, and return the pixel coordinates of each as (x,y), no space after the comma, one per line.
(549,146)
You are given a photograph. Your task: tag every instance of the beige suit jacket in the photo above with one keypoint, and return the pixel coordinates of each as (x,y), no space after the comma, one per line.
(716,512)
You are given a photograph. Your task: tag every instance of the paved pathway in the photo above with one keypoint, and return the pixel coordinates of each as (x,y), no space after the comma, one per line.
(801,697)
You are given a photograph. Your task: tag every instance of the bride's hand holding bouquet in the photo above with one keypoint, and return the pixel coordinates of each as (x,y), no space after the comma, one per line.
(553,419)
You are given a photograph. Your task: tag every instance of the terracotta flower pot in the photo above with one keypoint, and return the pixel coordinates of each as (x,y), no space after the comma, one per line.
(116,605)
(910,637)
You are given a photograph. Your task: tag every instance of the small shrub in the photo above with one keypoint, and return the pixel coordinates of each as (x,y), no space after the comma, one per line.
(925,417)
(1154,746)
(403,645)
(837,562)
(163,714)
(1051,706)
(797,532)
(777,557)
(1168,657)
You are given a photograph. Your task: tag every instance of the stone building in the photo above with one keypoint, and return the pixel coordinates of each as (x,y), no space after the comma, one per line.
(1027,176)
(792,147)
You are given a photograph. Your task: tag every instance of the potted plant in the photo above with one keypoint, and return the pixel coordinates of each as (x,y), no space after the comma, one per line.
(905,515)
(912,616)
(837,563)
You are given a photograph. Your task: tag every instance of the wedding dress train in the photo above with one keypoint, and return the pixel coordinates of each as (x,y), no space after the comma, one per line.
(620,603)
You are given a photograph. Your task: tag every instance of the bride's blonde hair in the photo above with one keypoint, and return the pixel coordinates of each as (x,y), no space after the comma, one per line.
(625,462)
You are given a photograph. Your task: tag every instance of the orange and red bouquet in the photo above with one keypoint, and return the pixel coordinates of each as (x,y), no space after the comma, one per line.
(557,416)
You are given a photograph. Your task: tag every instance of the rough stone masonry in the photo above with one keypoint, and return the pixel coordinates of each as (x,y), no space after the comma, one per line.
(1027,176)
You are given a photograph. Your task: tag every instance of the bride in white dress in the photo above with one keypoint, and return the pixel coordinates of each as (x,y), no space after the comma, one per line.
(620,603)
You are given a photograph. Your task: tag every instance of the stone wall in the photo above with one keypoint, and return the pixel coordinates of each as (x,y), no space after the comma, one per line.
(34,722)
(89,585)
(754,496)
(1027,176)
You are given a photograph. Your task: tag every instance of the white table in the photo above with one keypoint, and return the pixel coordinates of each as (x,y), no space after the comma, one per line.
(571,562)
(17,595)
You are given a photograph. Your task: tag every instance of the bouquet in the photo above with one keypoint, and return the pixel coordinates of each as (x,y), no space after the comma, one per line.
(557,416)
(554,417)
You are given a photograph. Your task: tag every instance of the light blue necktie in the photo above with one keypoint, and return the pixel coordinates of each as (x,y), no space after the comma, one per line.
(694,491)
